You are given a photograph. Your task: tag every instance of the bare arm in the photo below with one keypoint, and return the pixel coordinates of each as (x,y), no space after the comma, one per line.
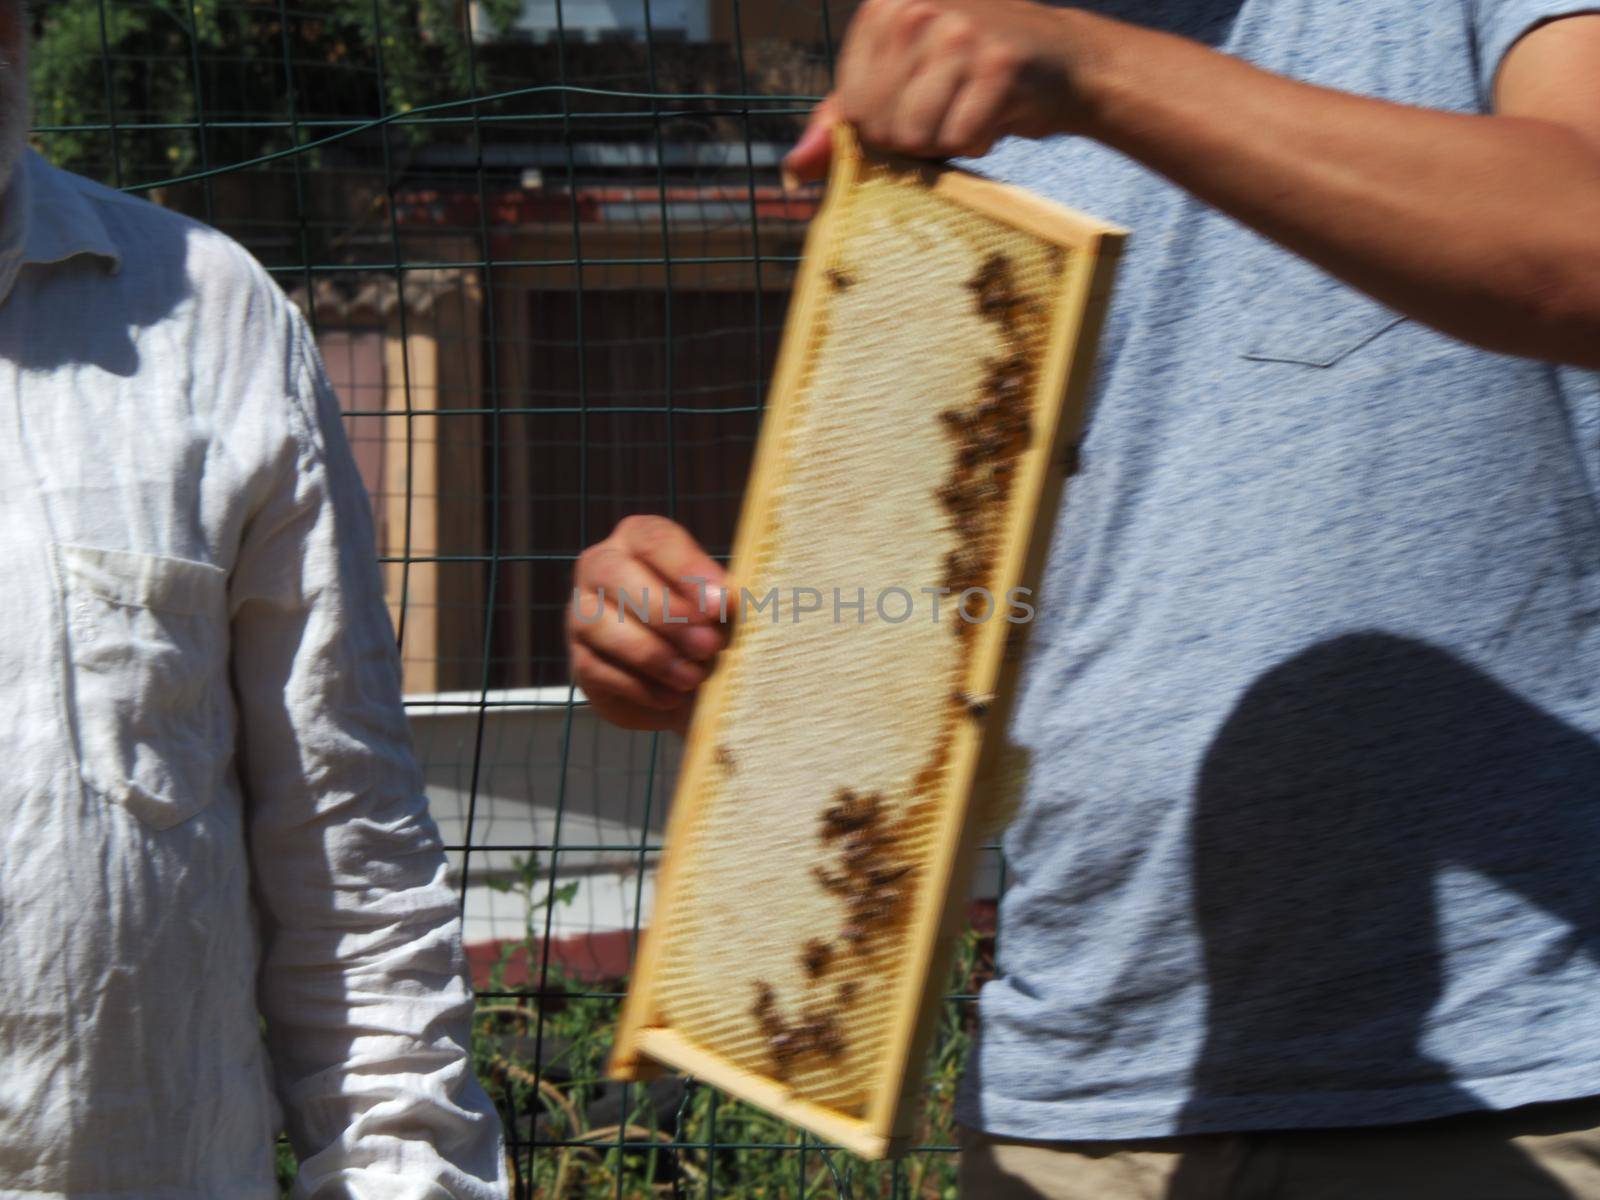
(1485,227)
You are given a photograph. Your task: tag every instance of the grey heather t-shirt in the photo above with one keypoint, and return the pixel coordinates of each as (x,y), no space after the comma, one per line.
(1312,835)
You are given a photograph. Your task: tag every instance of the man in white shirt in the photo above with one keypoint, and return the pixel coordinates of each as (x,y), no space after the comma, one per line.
(211,812)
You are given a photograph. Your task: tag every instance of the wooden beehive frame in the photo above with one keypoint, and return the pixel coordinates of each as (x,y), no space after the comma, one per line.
(645,1043)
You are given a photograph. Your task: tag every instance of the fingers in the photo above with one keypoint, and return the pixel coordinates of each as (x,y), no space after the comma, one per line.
(942,78)
(645,621)
(885,47)
(812,154)
(903,67)
(666,548)
(914,63)
(652,572)
(605,682)
(862,80)
(624,699)
(912,124)
(969,125)
(617,633)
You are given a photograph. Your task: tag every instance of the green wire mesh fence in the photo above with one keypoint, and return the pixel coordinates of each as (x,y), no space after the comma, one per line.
(547,255)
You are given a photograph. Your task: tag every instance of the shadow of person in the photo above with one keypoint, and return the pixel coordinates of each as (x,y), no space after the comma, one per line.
(84,315)
(1350,785)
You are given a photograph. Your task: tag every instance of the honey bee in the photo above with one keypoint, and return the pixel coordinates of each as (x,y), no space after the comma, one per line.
(976,704)
(883,876)
(848,813)
(960,566)
(764,998)
(1007,380)
(842,280)
(859,847)
(950,495)
(820,1033)
(830,882)
(986,491)
(723,757)
(780,1039)
(817,958)
(980,446)
(957,418)
(877,908)
(784,1048)
(1018,424)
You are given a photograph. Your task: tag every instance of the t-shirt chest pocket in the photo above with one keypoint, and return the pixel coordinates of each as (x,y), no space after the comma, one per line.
(1304,316)
(146,676)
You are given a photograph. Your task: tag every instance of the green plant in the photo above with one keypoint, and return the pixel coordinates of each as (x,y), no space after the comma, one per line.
(165,67)
(542,1049)
(287,1166)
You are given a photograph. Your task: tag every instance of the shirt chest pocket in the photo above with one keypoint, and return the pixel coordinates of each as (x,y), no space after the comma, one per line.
(146,673)
(1304,316)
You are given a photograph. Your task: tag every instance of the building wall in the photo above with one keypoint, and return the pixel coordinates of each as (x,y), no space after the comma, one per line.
(599,19)
(805,21)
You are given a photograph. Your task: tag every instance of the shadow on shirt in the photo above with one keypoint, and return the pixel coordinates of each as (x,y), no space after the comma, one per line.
(1208,21)
(78,314)
(1342,786)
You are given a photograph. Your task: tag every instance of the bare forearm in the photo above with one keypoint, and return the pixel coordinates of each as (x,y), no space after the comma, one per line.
(1485,227)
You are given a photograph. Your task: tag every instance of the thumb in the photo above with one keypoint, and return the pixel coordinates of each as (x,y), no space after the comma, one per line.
(811,154)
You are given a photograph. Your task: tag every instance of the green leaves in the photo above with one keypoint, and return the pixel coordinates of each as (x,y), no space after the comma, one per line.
(530,881)
(166,73)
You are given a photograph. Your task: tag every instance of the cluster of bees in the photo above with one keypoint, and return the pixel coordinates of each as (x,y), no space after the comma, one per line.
(816,1031)
(870,878)
(990,434)
(871,881)
(994,290)
(873,885)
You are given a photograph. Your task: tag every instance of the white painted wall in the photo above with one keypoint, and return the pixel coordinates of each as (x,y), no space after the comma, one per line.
(597,18)
(605,812)
(610,803)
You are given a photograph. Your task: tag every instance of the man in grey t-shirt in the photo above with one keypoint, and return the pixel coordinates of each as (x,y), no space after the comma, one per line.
(1313,696)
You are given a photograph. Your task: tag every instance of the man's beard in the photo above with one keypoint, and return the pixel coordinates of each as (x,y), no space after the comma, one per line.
(14,114)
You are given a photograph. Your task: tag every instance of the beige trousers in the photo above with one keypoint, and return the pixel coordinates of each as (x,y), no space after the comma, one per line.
(1542,1152)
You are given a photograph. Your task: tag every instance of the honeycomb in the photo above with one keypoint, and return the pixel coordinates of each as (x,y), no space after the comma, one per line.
(917,415)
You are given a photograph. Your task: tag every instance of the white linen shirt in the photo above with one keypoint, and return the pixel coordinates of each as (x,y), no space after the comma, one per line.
(210,807)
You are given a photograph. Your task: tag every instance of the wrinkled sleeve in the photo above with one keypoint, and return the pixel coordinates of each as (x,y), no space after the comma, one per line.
(1500,24)
(363,982)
